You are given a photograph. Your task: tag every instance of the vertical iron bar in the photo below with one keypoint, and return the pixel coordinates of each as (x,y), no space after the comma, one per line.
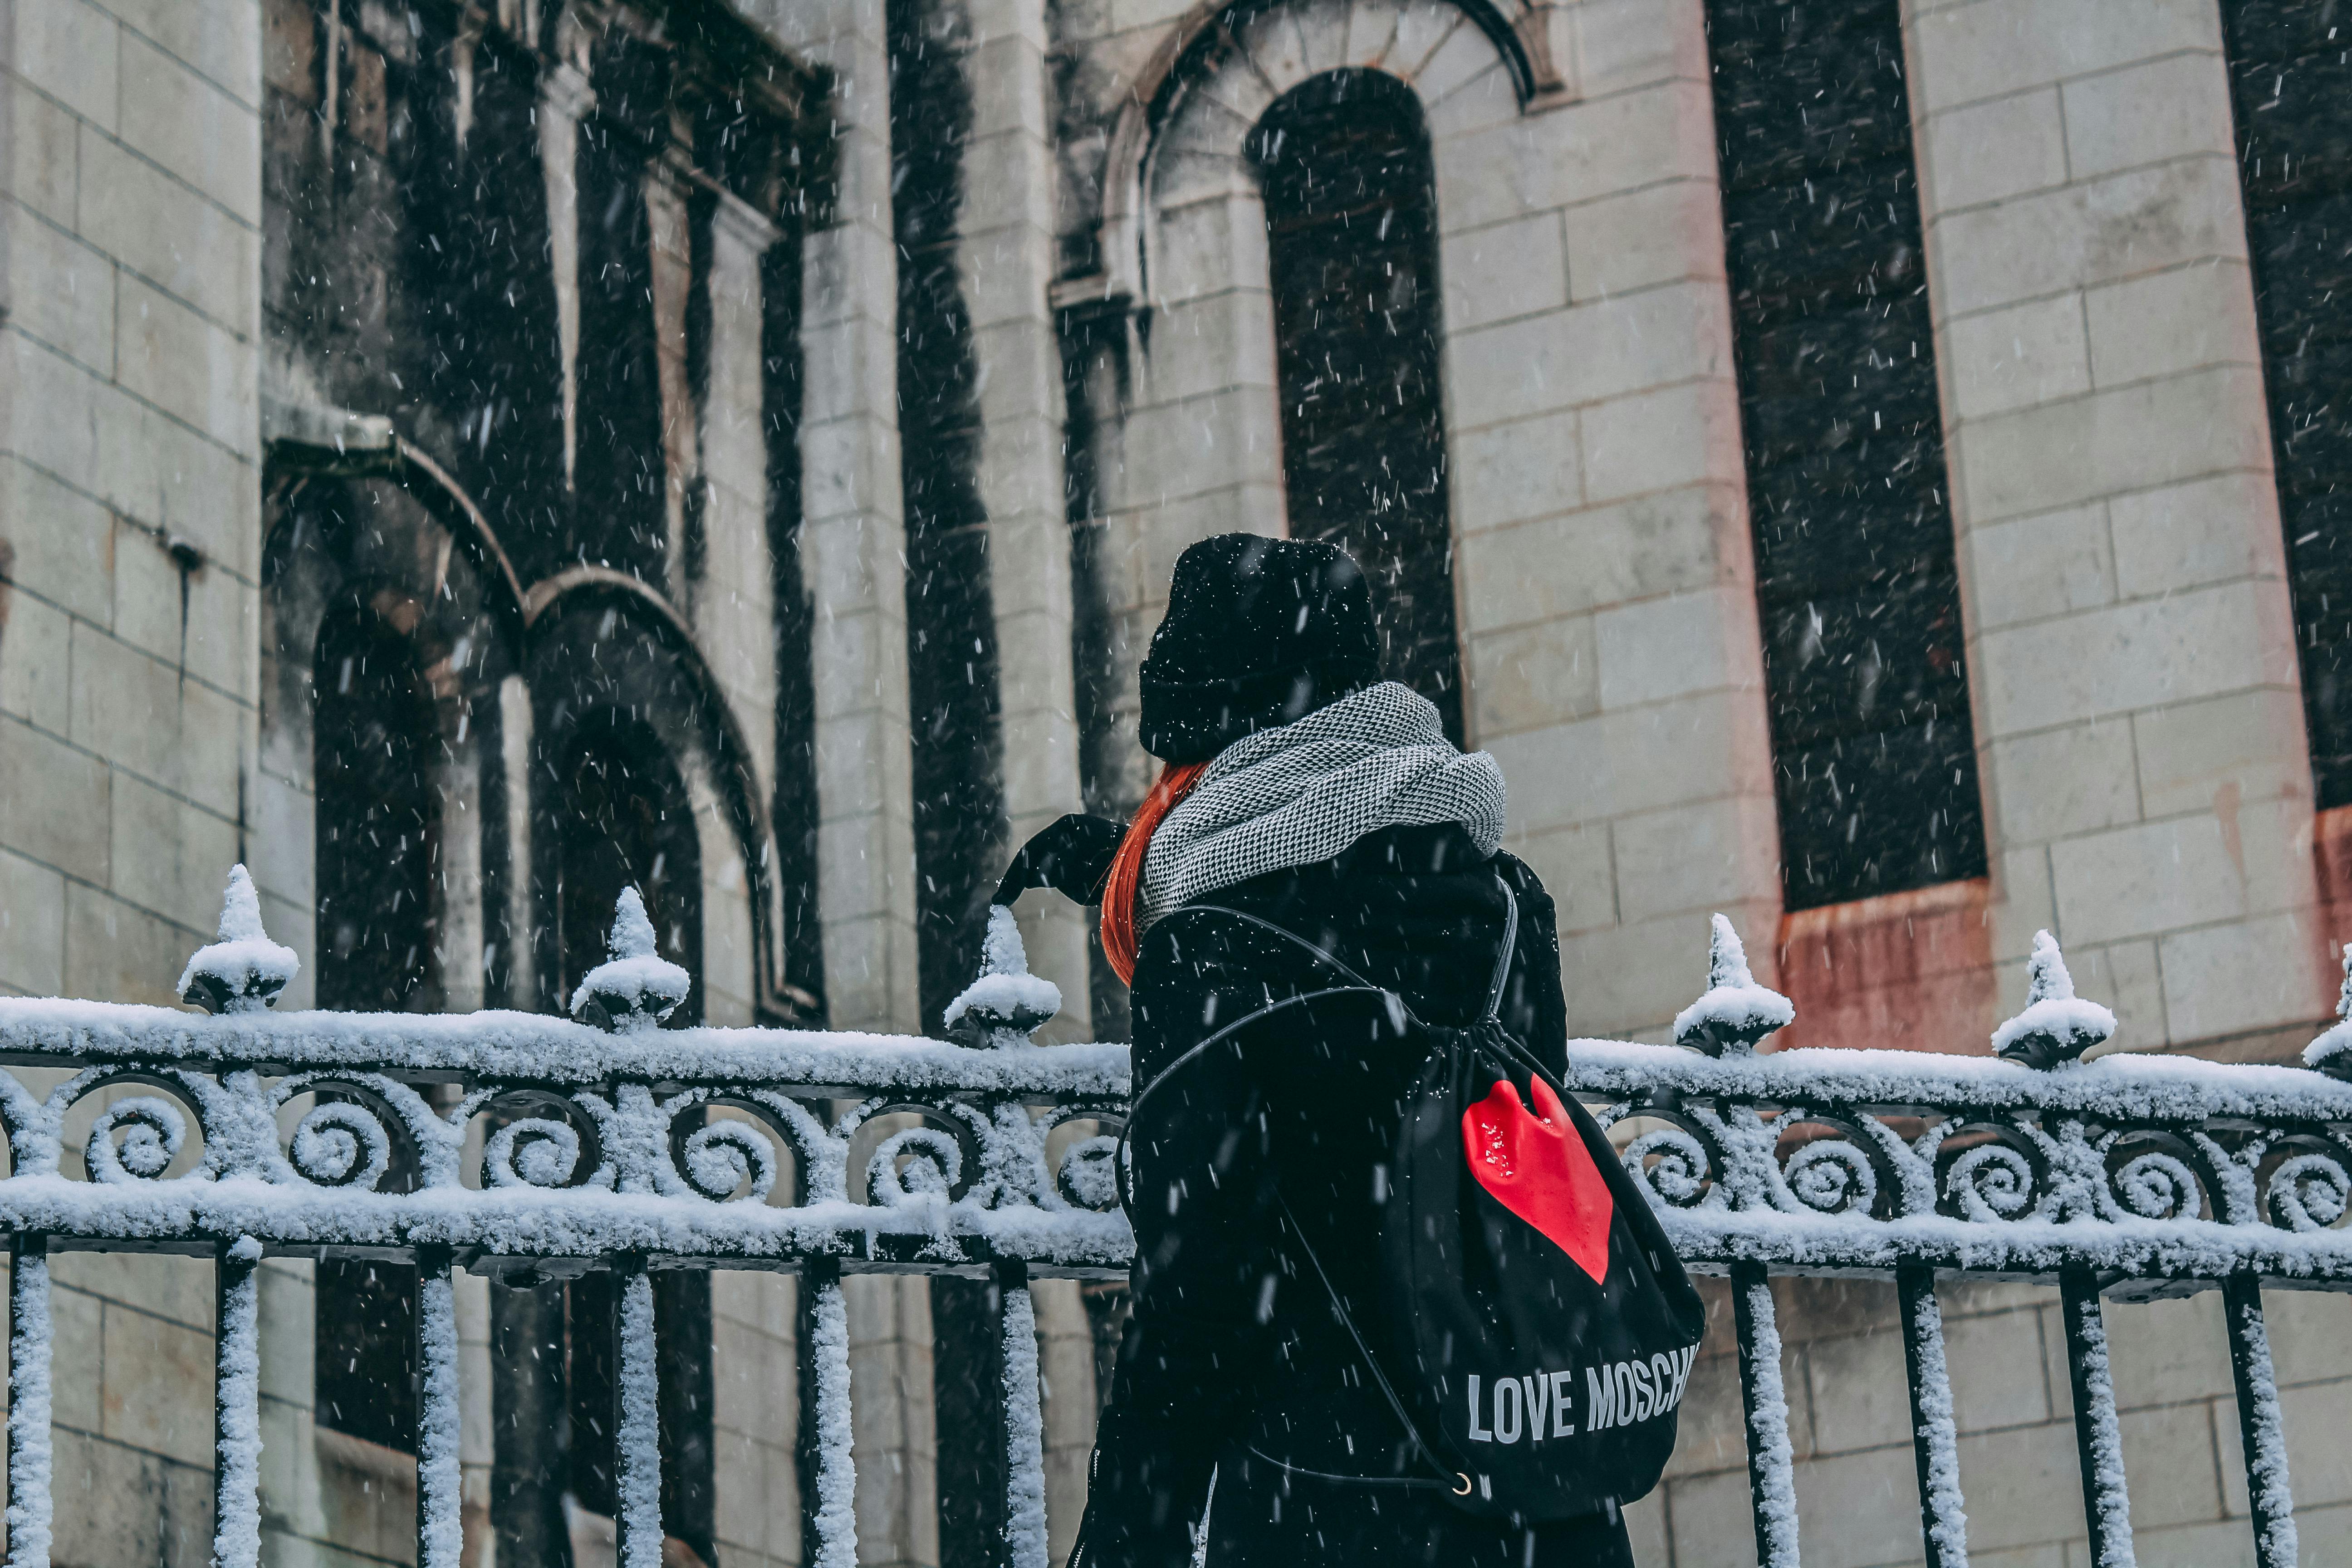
(1935,1440)
(2107,1501)
(30,1461)
(636,1420)
(828,1472)
(440,1481)
(1025,1425)
(2259,1427)
(237,1405)
(1771,1465)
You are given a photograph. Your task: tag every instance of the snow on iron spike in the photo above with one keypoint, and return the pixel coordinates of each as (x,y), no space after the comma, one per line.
(243,970)
(2056,1026)
(2331,1053)
(636,987)
(1735,1012)
(1007,1002)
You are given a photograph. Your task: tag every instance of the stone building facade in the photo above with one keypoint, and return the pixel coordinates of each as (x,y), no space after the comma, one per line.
(459,459)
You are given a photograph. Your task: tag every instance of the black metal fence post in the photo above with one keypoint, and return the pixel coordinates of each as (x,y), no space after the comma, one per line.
(236,1405)
(2107,1501)
(30,1456)
(440,1478)
(1935,1441)
(1771,1466)
(636,1420)
(2259,1426)
(1022,1421)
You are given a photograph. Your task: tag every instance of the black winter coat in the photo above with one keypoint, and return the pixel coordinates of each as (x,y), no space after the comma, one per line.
(1233,1361)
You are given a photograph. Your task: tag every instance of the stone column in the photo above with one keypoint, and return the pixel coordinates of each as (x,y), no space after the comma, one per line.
(1007,258)
(1605,560)
(668,219)
(2147,784)
(565,99)
(734,603)
(853,561)
(457,881)
(852,538)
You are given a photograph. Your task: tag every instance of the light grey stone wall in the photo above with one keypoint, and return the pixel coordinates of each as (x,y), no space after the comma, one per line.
(1603,571)
(1607,583)
(852,534)
(2147,783)
(1006,252)
(756,1418)
(129,425)
(130,522)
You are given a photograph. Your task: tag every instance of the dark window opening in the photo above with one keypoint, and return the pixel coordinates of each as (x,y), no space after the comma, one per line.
(2290,88)
(625,820)
(1351,225)
(951,676)
(796,807)
(476,314)
(376,846)
(1873,750)
(951,654)
(620,468)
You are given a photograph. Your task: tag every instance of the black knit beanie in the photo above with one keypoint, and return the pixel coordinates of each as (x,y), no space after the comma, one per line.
(1259,632)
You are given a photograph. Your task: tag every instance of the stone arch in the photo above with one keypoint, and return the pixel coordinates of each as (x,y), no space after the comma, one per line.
(1196,447)
(714,754)
(1240,58)
(605,651)
(722,769)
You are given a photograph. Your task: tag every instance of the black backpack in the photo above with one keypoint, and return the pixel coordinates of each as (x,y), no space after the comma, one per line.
(1532,1330)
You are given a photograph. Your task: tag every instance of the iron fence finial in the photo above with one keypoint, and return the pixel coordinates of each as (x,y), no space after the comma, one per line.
(242,970)
(2056,1026)
(1007,1004)
(1736,1013)
(2331,1053)
(635,987)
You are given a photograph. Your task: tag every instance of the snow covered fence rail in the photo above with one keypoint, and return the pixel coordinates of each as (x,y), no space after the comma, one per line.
(2125,1175)
(507,1142)
(519,1144)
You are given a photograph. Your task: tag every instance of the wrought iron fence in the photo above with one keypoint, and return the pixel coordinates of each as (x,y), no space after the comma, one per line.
(619,1146)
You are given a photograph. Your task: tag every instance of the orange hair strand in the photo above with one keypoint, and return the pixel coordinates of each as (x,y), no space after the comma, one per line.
(1125,884)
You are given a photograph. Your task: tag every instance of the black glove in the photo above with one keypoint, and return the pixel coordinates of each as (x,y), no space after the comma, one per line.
(1071,856)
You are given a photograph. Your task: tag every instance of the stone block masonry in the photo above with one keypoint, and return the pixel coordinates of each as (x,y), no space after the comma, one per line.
(2137,707)
(130,596)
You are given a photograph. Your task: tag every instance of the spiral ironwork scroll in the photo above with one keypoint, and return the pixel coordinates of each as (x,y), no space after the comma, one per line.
(1833,1175)
(2309,1192)
(730,1161)
(1993,1180)
(341,1143)
(1088,1173)
(135,1139)
(934,1167)
(534,1151)
(1672,1164)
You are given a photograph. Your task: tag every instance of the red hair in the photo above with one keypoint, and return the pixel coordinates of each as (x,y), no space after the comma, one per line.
(1125,884)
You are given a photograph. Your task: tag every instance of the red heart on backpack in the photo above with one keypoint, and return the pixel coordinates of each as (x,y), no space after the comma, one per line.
(1538,1167)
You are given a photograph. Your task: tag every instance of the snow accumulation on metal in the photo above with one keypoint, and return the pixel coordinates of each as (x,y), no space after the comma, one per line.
(538,1141)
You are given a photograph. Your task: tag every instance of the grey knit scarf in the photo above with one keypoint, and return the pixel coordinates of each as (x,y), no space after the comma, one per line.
(1303,793)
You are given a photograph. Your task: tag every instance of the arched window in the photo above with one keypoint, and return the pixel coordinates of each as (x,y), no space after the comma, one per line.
(623,818)
(2290,86)
(373,741)
(372,732)
(1352,232)
(1866,672)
